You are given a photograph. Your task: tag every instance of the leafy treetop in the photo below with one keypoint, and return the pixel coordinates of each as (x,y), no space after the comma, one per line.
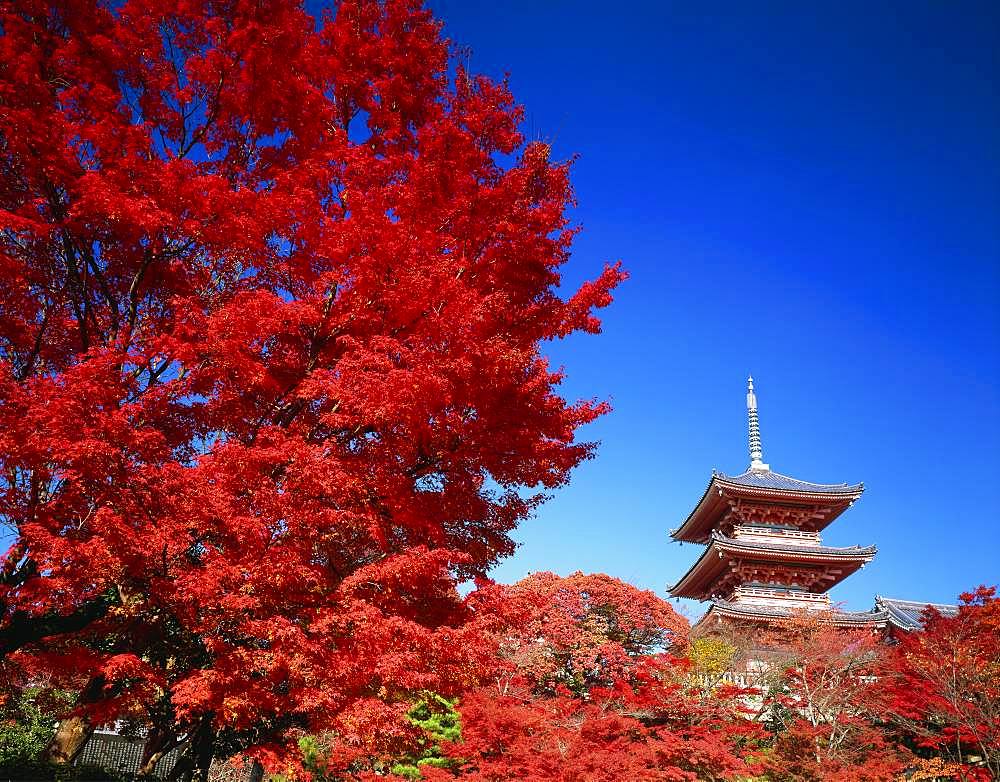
(272,304)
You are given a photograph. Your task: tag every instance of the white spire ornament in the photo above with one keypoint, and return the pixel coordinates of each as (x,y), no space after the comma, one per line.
(756,452)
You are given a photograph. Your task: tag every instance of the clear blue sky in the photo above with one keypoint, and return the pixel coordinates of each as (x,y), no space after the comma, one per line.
(808,192)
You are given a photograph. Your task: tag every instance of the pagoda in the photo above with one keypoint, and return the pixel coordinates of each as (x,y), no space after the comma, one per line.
(763,556)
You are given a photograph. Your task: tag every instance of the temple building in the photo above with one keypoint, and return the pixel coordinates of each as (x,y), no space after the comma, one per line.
(905,616)
(764,557)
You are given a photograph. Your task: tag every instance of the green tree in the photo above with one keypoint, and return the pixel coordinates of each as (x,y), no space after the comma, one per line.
(27,723)
(28,717)
(440,722)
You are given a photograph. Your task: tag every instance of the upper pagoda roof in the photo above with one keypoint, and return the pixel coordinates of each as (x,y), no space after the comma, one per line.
(701,581)
(761,496)
(826,501)
(908,614)
(768,479)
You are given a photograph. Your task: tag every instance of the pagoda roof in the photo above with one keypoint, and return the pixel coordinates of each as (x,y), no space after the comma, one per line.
(713,564)
(768,479)
(762,613)
(828,500)
(903,614)
(908,614)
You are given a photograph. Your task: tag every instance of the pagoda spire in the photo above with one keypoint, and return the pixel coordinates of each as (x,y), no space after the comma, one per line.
(756,451)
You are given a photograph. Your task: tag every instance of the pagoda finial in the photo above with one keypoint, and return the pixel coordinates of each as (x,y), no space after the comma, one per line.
(756,451)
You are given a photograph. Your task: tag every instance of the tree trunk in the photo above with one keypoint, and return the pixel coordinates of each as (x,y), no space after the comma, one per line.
(197,756)
(206,753)
(70,738)
(183,769)
(159,742)
(73,732)
(24,629)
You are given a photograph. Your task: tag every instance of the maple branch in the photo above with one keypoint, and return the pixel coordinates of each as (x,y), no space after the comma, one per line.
(159,743)
(29,362)
(95,269)
(21,574)
(210,120)
(81,302)
(24,629)
(286,413)
(133,290)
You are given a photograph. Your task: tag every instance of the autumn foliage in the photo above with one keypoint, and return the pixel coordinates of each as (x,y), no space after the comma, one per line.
(821,695)
(804,700)
(583,680)
(571,633)
(588,685)
(944,686)
(272,296)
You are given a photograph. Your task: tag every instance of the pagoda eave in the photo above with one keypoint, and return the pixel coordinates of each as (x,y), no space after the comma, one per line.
(727,564)
(721,611)
(729,501)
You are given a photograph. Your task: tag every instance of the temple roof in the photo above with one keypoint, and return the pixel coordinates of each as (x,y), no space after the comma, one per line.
(908,614)
(761,496)
(722,608)
(903,614)
(824,501)
(795,549)
(767,479)
(713,564)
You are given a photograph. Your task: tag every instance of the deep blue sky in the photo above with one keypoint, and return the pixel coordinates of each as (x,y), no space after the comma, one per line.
(808,192)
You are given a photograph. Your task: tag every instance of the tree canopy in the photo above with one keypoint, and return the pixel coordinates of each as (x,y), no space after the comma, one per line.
(273,291)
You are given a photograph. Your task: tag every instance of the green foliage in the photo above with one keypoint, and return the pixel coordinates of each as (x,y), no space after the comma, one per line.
(440,721)
(312,754)
(23,740)
(27,723)
(435,717)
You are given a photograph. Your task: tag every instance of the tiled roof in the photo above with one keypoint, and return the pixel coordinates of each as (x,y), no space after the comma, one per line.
(765,479)
(907,614)
(794,548)
(777,612)
(699,577)
(828,500)
(904,614)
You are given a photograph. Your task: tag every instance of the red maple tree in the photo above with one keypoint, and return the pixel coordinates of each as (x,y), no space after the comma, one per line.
(639,732)
(820,693)
(271,310)
(589,683)
(575,632)
(943,685)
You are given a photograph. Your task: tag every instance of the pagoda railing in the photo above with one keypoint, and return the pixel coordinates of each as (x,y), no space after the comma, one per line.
(769,534)
(783,595)
(775,532)
(731,678)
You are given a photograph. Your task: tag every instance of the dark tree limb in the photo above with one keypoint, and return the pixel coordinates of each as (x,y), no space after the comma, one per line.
(24,629)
